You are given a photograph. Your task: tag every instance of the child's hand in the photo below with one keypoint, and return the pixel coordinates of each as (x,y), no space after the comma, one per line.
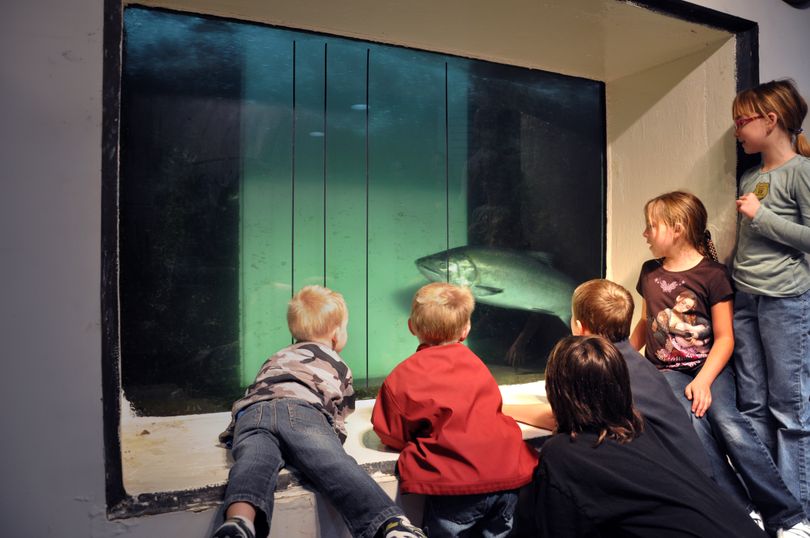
(747,204)
(700,394)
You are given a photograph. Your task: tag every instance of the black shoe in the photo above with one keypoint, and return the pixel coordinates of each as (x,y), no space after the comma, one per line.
(234,528)
(400,527)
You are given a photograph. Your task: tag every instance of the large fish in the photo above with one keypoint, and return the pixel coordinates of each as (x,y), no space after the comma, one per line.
(506,278)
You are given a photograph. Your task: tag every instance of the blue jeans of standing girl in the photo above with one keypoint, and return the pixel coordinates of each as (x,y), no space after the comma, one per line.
(734,433)
(268,434)
(772,362)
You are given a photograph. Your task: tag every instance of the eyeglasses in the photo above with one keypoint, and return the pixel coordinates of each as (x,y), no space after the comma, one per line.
(739,123)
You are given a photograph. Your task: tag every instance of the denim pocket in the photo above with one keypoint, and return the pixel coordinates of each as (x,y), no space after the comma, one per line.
(307,419)
(463,510)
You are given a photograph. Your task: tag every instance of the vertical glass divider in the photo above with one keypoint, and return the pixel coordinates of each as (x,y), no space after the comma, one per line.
(325,136)
(368,63)
(446,170)
(292,181)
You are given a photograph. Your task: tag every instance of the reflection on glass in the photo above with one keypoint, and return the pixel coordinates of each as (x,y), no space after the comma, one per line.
(256,160)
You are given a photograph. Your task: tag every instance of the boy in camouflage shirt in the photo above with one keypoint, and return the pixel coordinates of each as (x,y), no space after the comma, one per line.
(295,412)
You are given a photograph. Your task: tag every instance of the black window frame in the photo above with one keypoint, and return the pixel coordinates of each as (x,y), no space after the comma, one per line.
(120,504)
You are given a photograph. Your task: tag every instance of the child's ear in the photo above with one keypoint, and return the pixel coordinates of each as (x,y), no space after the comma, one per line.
(465,332)
(335,336)
(410,327)
(772,121)
(576,327)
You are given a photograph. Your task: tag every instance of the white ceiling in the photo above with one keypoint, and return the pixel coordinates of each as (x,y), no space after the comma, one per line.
(598,39)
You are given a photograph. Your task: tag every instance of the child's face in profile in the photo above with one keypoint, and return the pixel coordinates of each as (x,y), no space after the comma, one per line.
(341,335)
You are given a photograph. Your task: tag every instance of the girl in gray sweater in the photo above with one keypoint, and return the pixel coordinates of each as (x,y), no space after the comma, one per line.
(772,278)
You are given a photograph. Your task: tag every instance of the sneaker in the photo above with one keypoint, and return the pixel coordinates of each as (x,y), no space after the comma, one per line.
(400,527)
(234,527)
(757,517)
(799,530)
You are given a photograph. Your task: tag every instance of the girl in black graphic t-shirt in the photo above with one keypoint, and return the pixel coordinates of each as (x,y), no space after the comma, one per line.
(686,326)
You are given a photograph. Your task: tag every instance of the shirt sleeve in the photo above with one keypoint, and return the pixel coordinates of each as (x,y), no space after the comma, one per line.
(720,288)
(640,281)
(388,420)
(781,230)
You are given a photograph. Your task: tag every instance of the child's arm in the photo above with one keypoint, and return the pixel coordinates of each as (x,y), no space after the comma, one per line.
(780,229)
(538,415)
(699,390)
(639,335)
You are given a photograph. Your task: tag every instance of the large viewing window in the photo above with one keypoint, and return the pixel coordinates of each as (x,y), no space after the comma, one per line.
(242,160)
(256,160)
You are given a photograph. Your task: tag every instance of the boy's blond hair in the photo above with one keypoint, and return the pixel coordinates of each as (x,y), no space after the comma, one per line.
(314,312)
(440,312)
(604,308)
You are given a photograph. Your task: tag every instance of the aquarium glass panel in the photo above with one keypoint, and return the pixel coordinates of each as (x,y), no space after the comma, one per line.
(256,160)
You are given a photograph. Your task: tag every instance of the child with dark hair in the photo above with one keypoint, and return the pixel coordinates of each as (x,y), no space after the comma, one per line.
(605,474)
(605,308)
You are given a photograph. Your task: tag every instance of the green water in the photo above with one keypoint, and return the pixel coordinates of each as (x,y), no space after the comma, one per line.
(259,160)
(354,217)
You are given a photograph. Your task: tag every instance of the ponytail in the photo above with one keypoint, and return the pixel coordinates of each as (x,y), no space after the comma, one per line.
(708,247)
(801,145)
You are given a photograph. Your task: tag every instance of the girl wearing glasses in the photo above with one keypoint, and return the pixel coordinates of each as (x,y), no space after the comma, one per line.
(772,278)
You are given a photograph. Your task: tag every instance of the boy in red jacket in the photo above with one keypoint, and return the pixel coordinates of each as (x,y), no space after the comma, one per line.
(442,408)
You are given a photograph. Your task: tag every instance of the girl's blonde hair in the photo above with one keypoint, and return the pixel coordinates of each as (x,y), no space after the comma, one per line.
(314,312)
(783,99)
(686,209)
(440,312)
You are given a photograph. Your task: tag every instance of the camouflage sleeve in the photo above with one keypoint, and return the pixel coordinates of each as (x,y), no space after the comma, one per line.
(346,405)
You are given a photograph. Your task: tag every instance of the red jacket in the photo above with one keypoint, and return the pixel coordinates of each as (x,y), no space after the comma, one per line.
(442,408)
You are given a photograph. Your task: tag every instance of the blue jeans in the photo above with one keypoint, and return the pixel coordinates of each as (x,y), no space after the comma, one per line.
(269,434)
(772,362)
(489,515)
(735,435)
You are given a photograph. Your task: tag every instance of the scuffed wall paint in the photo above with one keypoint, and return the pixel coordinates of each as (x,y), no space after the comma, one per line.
(783,37)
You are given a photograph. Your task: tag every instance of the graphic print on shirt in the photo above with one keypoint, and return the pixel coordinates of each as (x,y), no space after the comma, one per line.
(680,332)
(761,190)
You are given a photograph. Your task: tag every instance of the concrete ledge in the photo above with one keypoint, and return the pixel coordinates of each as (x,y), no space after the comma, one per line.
(176,463)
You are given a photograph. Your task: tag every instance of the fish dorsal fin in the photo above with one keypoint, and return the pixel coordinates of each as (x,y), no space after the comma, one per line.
(485,291)
(543,257)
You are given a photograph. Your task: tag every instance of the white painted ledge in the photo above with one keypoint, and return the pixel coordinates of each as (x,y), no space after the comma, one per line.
(161,454)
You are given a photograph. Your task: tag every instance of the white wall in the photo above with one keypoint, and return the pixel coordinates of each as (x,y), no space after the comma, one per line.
(52,472)
(665,132)
(784,36)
